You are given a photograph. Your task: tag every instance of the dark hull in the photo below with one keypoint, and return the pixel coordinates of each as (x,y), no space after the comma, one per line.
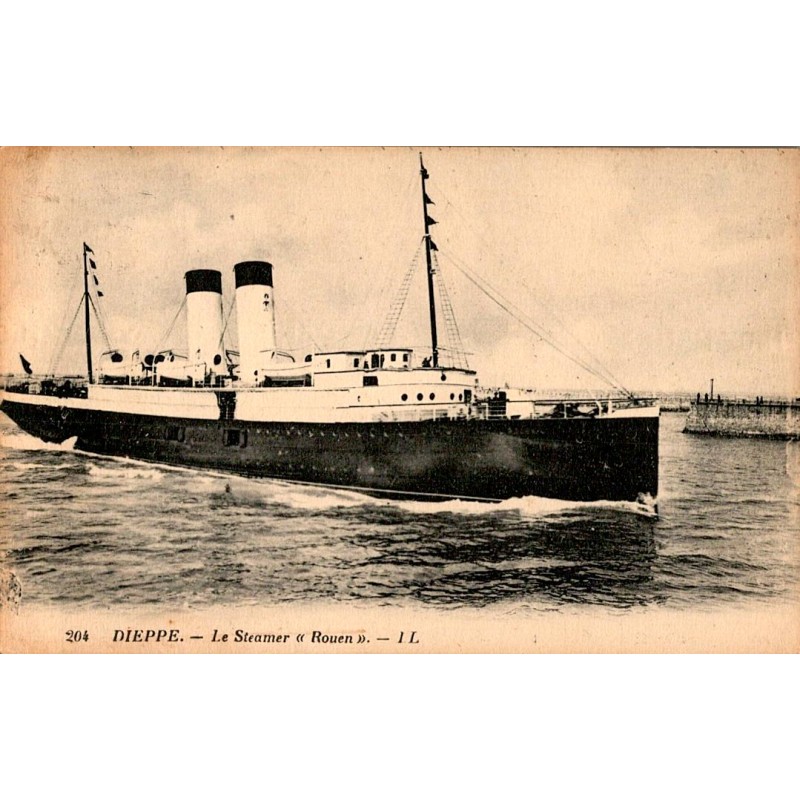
(572,459)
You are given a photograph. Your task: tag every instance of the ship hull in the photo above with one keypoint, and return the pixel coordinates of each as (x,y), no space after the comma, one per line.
(575,459)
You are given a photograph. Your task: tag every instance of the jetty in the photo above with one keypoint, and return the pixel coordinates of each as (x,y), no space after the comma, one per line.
(769,419)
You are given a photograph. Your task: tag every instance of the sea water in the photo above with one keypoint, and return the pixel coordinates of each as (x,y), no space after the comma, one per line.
(98,532)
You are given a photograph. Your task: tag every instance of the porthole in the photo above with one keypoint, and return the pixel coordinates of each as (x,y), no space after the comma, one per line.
(404,397)
(432,396)
(444,377)
(459,396)
(419,396)
(452,396)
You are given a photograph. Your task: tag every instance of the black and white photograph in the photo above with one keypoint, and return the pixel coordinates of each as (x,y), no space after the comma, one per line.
(401,399)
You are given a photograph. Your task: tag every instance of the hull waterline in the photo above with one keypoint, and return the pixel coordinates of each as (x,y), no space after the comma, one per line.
(572,459)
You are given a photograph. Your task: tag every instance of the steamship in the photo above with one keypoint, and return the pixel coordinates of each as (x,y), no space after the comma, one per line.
(389,421)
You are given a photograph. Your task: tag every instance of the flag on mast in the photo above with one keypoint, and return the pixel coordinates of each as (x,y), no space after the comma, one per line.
(87,249)
(26,365)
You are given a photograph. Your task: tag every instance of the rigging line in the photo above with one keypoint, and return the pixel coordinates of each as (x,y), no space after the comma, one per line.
(371,330)
(97,306)
(389,327)
(164,338)
(289,315)
(368,331)
(100,323)
(60,352)
(99,312)
(451,323)
(532,328)
(598,367)
(509,307)
(587,352)
(547,335)
(220,343)
(313,346)
(77,283)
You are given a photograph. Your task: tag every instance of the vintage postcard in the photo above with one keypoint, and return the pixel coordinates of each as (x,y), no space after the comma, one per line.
(399,400)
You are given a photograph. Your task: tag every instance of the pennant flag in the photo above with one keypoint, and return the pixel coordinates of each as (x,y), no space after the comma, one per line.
(100,294)
(26,365)
(433,246)
(428,200)
(87,249)
(430,220)
(96,282)
(92,264)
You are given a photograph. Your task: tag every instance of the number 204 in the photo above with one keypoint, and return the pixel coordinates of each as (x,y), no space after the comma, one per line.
(77,636)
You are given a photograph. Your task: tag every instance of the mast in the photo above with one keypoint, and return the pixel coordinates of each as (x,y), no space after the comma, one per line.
(86,249)
(431,299)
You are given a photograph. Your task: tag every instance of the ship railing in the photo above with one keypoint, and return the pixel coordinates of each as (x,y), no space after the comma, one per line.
(500,406)
(424,414)
(47,385)
(515,409)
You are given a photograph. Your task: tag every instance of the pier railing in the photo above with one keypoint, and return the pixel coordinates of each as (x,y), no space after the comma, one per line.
(746,403)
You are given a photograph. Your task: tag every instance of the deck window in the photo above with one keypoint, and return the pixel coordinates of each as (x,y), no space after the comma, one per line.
(233,437)
(355,363)
(370,380)
(175,433)
(405,358)
(393,357)
(327,363)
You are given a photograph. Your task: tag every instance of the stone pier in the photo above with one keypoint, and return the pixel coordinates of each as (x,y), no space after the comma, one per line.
(769,420)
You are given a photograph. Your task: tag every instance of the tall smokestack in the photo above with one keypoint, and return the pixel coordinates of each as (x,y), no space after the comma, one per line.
(204,322)
(255,310)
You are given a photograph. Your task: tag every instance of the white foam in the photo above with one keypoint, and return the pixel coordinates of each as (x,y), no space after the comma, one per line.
(295,495)
(19,440)
(131,472)
(529,506)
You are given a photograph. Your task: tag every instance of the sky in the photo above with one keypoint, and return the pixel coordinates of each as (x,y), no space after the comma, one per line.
(669,266)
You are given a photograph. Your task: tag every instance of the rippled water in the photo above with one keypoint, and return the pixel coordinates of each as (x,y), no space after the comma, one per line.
(97,531)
